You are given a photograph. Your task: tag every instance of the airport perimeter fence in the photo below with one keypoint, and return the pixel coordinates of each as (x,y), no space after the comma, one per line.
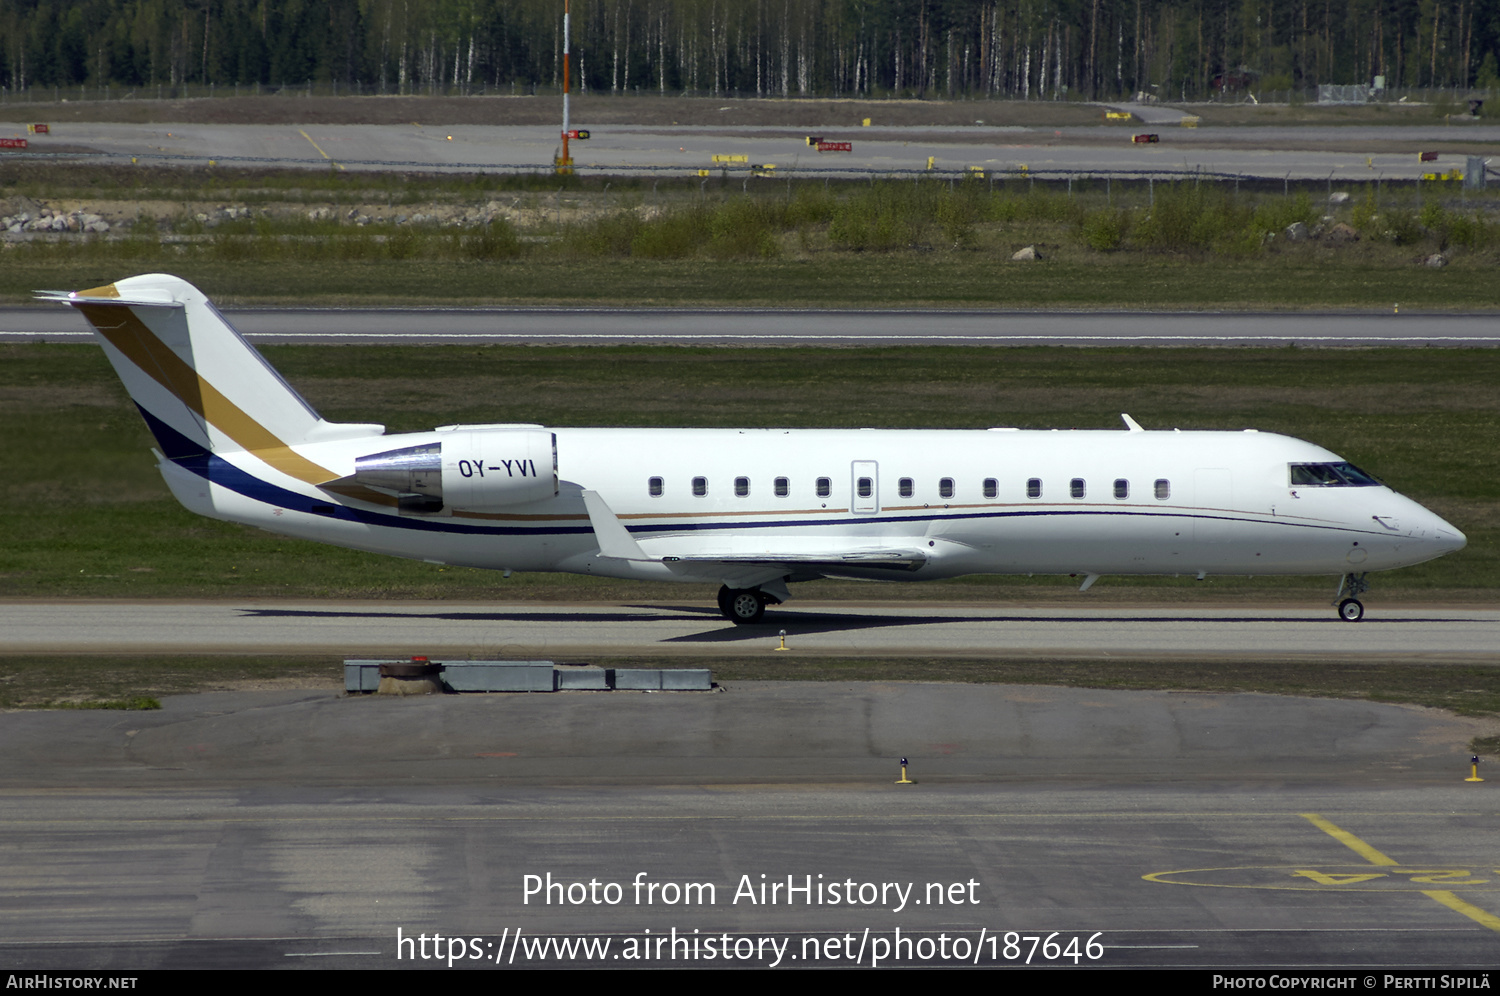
(1455,96)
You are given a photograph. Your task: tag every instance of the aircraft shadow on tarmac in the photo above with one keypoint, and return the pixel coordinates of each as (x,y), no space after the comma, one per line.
(795,622)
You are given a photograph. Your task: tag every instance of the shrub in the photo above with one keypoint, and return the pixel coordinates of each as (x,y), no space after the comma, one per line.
(1105,229)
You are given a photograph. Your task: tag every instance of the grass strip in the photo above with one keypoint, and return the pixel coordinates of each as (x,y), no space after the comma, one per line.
(294,237)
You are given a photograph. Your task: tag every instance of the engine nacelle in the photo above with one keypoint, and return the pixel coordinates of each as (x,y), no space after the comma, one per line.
(472,469)
(493,468)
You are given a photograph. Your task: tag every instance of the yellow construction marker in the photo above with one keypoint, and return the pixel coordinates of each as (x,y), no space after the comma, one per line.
(903,780)
(1474,770)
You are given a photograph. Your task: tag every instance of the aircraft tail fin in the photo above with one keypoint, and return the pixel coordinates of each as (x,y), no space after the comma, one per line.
(200,386)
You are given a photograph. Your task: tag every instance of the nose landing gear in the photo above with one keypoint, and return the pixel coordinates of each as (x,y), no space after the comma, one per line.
(1350,607)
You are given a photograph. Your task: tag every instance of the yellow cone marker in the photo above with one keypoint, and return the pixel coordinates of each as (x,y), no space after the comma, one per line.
(1474,770)
(903,780)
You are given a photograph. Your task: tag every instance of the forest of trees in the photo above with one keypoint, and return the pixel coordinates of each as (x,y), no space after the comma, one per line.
(1036,49)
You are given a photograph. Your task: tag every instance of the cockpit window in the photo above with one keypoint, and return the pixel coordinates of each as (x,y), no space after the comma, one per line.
(1330,475)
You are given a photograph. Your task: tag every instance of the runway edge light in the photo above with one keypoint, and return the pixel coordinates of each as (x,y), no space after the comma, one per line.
(903,780)
(1474,770)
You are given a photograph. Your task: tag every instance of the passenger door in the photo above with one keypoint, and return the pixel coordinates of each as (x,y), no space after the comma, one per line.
(864,489)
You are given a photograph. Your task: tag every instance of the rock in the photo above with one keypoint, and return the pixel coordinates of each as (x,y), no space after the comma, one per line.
(1028,253)
(1340,197)
(1437,260)
(1342,233)
(1296,231)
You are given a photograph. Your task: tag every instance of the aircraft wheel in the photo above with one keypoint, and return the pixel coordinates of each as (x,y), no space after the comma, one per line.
(1350,610)
(746,606)
(726,596)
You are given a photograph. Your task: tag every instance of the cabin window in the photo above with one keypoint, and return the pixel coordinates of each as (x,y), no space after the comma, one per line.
(1034,488)
(783,487)
(991,487)
(1076,488)
(654,487)
(906,487)
(1163,489)
(865,487)
(945,488)
(741,487)
(825,487)
(1122,488)
(700,486)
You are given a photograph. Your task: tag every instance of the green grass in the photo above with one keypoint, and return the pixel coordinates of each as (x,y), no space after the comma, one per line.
(885,243)
(958,280)
(88,516)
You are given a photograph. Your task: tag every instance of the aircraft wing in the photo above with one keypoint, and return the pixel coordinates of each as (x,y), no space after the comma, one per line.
(845,556)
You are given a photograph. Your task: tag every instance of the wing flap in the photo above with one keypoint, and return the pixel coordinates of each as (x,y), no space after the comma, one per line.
(906,560)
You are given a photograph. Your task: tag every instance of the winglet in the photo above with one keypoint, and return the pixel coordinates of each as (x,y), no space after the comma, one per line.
(614,539)
(1131,424)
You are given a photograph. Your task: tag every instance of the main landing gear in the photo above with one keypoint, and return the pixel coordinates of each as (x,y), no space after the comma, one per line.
(1350,607)
(742,606)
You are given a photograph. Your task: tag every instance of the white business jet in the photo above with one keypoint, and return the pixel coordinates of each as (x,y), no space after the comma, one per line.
(751,509)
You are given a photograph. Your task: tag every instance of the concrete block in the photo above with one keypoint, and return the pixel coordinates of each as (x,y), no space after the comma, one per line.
(637,679)
(686,679)
(498,676)
(587,678)
(361,676)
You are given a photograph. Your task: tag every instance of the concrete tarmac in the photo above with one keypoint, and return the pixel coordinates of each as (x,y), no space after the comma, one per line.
(576,630)
(310,830)
(790,327)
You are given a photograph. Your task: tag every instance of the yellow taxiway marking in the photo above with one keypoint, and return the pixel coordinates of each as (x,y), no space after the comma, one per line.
(317,146)
(1350,841)
(1375,857)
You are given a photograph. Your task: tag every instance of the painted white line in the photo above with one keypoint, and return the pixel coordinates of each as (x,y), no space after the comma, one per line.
(333,954)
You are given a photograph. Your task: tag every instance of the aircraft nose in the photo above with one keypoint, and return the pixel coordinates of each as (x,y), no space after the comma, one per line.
(1441,534)
(1449,539)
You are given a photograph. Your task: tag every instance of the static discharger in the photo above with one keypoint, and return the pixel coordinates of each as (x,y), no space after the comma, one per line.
(903,780)
(1474,770)
(783,641)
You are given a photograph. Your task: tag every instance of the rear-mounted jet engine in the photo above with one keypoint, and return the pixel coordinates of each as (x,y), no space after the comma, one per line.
(472,470)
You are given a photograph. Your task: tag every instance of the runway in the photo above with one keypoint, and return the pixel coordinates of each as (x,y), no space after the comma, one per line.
(1340,154)
(736,327)
(304,829)
(576,630)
